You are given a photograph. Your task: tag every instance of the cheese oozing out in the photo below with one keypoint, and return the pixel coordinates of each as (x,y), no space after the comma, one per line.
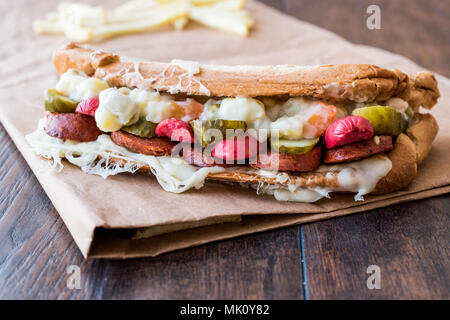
(176,175)
(173,174)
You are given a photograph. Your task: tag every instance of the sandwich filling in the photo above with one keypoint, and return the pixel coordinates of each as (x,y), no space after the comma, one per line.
(273,144)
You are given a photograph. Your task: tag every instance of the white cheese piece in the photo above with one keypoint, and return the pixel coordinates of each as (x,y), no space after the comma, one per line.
(288,127)
(241,108)
(76,85)
(174,175)
(115,110)
(360,176)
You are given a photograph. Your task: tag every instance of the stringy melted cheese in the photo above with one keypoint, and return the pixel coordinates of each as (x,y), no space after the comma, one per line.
(173,174)
(176,175)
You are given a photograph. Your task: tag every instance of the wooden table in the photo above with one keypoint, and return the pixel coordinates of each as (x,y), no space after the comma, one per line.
(327,259)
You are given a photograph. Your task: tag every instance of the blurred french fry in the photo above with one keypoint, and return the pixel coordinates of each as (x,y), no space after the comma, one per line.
(180,23)
(136,5)
(84,23)
(161,16)
(77,33)
(118,17)
(81,15)
(233,21)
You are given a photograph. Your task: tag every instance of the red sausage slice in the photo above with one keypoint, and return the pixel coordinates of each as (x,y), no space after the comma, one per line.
(149,146)
(71,126)
(359,150)
(309,161)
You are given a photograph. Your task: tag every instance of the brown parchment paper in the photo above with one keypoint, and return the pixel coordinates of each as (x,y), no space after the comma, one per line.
(94,208)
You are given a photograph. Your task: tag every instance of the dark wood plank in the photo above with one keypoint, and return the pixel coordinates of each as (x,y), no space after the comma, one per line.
(409,242)
(415,29)
(251,267)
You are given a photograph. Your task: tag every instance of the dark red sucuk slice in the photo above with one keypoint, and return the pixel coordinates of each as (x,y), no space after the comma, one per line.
(71,126)
(309,161)
(201,158)
(358,150)
(155,146)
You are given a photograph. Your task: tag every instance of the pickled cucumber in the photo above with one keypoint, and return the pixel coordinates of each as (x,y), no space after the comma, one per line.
(293,146)
(206,136)
(386,121)
(56,102)
(142,128)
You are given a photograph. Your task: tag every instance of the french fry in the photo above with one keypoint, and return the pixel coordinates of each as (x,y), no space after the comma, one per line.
(136,5)
(81,15)
(233,21)
(161,16)
(84,23)
(77,33)
(116,17)
(180,23)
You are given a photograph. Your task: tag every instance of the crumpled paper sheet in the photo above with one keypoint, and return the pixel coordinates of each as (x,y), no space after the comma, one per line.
(93,208)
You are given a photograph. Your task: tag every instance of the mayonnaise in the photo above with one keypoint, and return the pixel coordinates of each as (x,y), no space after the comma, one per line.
(77,86)
(115,110)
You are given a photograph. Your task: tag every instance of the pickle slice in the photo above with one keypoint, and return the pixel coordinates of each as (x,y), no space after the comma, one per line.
(142,128)
(56,102)
(293,146)
(211,131)
(386,121)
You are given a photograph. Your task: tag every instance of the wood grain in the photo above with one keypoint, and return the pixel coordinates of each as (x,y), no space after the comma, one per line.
(409,242)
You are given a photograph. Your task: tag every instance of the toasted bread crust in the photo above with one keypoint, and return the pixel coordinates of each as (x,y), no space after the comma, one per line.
(339,83)
(422,132)
(404,166)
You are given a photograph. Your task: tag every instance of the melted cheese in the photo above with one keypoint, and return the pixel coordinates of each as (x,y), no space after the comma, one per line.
(360,176)
(174,175)
(241,108)
(286,118)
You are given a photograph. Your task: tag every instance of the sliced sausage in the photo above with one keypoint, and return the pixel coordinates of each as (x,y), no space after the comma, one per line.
(200,158)
(309,161)
(71,126)
(155,146)
(359,150)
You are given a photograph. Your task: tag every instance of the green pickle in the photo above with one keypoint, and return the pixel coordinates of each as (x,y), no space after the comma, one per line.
(206,137)
(56,102)
(142,128)
(386,121)
(300,146)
